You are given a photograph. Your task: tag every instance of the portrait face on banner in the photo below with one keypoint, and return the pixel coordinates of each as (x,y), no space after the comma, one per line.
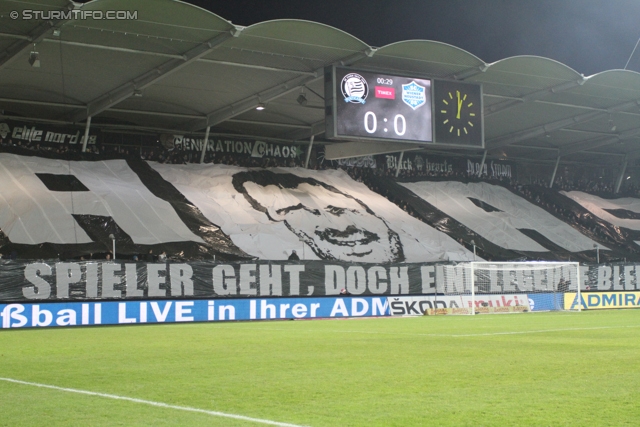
(335,225)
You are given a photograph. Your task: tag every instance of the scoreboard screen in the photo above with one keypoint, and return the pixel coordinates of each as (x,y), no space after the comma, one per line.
(380,106)
(365,105)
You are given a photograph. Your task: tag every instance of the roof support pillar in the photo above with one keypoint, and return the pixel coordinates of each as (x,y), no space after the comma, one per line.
(555,170)
(399,165)
(622,173)
(484,158)
(205,144)
(306,161)
(86,135)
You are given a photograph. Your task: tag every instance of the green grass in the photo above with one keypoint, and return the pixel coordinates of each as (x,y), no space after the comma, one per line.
(557,369)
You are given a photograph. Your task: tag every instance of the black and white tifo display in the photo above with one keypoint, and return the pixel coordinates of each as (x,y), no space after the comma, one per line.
(500,216)
(320,214)
(53,208)
(224,211)
(622,212)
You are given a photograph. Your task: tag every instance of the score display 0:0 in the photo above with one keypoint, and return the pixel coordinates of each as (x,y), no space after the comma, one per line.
(370,116)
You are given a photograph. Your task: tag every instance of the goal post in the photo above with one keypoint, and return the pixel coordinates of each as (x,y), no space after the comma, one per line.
(507,287)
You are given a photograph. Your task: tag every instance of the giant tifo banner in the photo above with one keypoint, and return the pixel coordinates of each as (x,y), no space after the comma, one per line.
(55,208)
(29,315)
(98,280)
(69,209)
(501,216)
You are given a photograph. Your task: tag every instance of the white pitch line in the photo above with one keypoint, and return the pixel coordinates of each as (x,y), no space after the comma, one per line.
(546,330)
(152,403)
(540,331)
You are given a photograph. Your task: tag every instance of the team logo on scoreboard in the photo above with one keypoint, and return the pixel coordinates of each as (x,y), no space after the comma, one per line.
(354,88)
(414,95)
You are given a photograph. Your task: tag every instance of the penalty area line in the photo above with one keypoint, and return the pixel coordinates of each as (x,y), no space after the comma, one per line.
(152,403)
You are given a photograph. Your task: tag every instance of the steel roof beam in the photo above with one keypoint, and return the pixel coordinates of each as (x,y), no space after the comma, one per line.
(152,76)
(35,36)
(121,128)
(555,150)
(559,104)
(273,124)
(14,36)
(268,95)
(466,74)
(315,129)
(552,161)
(173,56)
(599,142)
(43,103)
(526,134)
(557,125)
(533,96)
(633,155)
(253,101)
(153,113)
(113,48)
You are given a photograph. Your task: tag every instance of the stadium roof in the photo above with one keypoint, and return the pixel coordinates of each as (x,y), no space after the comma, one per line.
(178,68)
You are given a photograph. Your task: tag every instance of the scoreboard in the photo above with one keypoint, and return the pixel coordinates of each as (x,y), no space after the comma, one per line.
(365,105)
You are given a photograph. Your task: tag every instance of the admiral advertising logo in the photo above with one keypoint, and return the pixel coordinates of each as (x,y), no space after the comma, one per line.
(414,95)
(354,88)
(602,300)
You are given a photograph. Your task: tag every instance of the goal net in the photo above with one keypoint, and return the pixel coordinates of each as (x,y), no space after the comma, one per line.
(506,287)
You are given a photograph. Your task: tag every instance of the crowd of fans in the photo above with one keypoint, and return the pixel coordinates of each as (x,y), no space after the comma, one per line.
(174,156)
(158,154)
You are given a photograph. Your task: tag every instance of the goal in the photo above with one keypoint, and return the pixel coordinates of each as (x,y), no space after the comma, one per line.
(506,287)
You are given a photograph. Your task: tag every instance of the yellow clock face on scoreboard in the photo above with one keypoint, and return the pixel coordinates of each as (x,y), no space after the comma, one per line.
(457,113)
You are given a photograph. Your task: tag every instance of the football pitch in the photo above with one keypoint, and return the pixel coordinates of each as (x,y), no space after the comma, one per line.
(539,369)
